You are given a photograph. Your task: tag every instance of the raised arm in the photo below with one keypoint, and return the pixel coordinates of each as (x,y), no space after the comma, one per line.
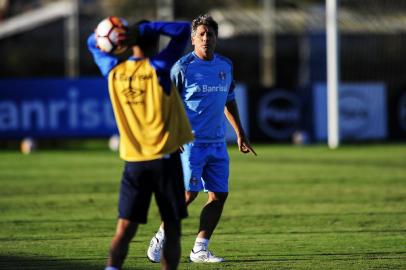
(104,61)
(179,32)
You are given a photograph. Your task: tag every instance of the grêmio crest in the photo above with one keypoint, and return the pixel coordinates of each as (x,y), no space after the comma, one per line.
(222,75)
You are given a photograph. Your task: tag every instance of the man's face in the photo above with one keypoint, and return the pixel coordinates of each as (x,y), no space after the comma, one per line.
(204,42)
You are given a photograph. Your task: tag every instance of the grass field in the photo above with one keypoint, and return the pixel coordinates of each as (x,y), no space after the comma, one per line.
(289,208)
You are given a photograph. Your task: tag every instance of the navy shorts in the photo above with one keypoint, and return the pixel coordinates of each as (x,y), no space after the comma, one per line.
(164,178)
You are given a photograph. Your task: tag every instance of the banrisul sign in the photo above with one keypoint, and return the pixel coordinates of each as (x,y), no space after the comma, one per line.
(45,108)
(362,111)
(279,112)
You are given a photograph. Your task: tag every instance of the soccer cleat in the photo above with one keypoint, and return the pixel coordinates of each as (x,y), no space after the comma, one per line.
(204,256)
(155,249)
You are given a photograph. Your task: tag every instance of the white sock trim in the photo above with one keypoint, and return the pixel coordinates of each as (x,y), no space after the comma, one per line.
(160,234)
(201,242)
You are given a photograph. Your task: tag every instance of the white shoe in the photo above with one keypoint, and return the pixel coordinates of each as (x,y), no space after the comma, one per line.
(204,256)
(155,249)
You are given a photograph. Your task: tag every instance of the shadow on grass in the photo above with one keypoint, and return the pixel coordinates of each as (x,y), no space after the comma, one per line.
(11,262)
(39,262)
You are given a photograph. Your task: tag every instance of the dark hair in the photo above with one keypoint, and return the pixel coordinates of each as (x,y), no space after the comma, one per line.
(144,41)
(205,20)
(147,42)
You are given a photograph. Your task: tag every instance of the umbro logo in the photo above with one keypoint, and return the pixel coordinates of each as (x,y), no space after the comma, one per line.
(198,76)
(134,96)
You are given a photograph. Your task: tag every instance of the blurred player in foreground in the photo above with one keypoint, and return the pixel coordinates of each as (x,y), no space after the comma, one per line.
(205,82)
(153,125)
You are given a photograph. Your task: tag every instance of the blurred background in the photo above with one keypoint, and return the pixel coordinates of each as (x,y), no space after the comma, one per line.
(50,88)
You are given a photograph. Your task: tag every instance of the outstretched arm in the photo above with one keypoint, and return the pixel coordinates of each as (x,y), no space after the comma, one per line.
(231,112)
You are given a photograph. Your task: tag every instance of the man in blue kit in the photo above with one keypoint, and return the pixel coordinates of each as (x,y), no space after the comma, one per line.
(205,82)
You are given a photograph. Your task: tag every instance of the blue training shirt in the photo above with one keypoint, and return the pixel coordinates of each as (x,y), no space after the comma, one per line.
(205,88)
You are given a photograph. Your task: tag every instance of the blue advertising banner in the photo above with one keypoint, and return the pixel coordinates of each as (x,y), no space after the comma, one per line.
(55,108)
(362,111)
(68,108)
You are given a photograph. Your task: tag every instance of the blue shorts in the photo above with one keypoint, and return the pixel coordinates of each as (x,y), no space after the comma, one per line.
(205,167)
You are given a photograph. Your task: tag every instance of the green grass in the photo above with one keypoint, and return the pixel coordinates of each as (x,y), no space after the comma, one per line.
(289,208)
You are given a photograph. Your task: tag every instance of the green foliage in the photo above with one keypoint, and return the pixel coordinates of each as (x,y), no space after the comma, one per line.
(289,208)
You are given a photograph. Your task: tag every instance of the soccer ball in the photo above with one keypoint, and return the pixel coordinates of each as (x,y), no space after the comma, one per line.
(27,146)
(114,143)
(110,33)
